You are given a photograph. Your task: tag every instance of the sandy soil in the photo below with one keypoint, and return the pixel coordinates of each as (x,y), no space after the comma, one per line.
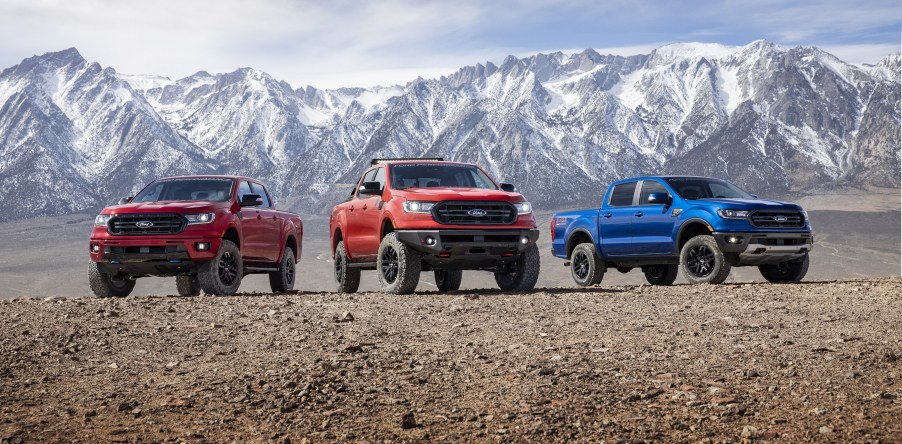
(818,361)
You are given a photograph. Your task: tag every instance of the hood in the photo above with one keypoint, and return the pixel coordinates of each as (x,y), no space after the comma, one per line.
(747,204)
(180,206)
(439,194)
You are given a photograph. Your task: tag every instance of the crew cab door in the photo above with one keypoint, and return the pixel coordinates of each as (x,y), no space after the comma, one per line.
(616,218)
(271,226)
(652,222)
(253,228)
(364,218)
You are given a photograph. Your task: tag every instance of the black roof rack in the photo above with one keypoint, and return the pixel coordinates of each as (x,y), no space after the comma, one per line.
(425,159)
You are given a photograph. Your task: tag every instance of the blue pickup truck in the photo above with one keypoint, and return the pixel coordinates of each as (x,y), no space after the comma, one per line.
(698,225)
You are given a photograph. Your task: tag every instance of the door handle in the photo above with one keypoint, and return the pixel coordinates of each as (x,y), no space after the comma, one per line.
(639,214)
(352,207)
(274,217)
(259,216)
(606,214)
(364,207)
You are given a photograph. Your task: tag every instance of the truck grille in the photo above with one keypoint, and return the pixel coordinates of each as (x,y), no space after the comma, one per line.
(145,224)
(778,219)
(466,213)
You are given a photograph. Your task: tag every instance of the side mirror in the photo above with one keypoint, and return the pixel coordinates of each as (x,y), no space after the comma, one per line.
(755,196)
(125,200)
(372,188)
(251,200)
(659,198)
(509,187)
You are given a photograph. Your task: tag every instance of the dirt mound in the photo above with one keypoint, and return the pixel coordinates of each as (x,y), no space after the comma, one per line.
(818,361)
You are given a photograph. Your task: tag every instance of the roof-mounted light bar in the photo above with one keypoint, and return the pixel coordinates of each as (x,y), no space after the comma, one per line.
(407,159)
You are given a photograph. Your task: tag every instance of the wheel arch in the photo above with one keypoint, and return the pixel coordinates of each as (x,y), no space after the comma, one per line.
(231,234)
(691,228)
(576,237)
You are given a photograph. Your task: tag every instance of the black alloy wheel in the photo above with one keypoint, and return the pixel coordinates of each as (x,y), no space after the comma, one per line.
(389,265)
(701,261)
(580,264)
(228,268)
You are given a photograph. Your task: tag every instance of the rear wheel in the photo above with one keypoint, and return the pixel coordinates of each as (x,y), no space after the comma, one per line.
(187,285)
(398,266)
(702,262)
(347,277)
(222,275)
(448,280)
(661,274)
(283,280)
(789,271)
(586,267)
(523,274)
(106,286)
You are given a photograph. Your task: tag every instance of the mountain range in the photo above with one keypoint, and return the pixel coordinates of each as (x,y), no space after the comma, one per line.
(75,136)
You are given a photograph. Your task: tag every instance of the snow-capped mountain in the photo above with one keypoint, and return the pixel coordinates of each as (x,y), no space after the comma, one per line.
(74,136)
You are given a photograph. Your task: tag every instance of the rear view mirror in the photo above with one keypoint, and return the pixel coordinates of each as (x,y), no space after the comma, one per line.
(659,198)
(251,200)
(509,187)
(374,188)
(125,200)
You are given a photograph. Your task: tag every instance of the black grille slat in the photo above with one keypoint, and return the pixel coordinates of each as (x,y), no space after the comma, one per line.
(765,219)
(163,223)
(457,213)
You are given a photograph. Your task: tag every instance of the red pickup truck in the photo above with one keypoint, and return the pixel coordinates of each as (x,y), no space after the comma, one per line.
(408,216)
(207,231)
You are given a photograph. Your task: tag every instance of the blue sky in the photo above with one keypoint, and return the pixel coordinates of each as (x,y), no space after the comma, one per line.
(358,43)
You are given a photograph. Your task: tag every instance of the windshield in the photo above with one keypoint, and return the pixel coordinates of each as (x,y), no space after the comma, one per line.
(206,189)
(692,188)
(439,176)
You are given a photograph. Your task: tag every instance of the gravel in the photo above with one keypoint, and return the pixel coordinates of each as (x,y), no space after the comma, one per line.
(738,362)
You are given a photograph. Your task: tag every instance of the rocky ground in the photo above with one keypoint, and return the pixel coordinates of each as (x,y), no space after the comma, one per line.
(819,361)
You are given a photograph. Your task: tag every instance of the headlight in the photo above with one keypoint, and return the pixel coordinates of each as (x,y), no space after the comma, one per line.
(523,207)
(102,219)
(203,218)
(733,214)
(415,206)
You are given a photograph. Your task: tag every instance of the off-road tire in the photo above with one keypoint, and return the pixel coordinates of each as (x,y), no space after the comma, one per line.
(398,266)
(524,274)
(283,280)
(586,268)
(448,280)
(347,277)
(222,275)
(105,286)
(789,271)
(187,285)
(661,274)
(702,262)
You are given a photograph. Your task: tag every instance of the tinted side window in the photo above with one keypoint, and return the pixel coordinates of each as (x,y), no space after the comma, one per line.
(622,195)
(380,177)
(243,188)
(259,189)
(649,187)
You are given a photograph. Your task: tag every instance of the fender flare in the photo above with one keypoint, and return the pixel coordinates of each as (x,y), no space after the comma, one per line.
(689,221)
(568,244)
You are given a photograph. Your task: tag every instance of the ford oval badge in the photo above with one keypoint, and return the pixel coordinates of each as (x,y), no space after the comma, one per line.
(144,224)
(780,219)
(477,212)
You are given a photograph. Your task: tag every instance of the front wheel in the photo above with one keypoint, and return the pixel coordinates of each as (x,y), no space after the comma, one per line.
(222,275)
(448,280)
(107,286)
(661,274)
(789,271)
(702,262)
(346,276)
(398,266)
(187,285)
(283,280)
(524,273)
(586,267)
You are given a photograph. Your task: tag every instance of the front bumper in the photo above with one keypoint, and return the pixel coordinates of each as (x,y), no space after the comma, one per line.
(757,248)
(151,257)
(469,249)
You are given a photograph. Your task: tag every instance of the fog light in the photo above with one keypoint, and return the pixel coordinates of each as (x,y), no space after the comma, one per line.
(524,240)
(734,240)
(429,240)
(202,246)
(95,248)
